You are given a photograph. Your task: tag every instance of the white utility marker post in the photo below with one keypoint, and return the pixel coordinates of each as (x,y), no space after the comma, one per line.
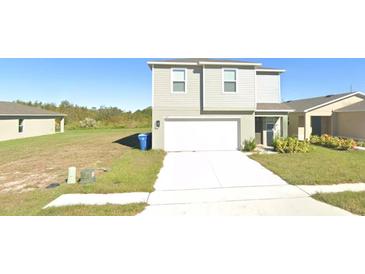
(71,179)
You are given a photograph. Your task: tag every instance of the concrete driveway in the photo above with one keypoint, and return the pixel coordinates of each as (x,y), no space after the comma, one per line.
(213,169)
(227,183)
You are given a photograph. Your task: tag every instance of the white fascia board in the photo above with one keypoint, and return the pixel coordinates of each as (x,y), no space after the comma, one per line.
(173,63)
(271,70)
(229,63)
(336,100)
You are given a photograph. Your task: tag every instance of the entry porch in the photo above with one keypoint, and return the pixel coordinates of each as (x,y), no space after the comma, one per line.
(267,128)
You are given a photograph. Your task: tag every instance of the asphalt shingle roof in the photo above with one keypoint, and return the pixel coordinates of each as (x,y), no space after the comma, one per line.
(15,109)
(273,106)
(304,104)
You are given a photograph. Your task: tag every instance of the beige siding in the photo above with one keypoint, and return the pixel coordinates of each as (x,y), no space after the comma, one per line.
(164,99)
(329,123)
(350,124)
(216,100)
(328,109)
(296,119)
(268,88)
(31,127)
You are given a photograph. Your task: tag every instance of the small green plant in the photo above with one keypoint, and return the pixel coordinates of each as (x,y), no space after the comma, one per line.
(290,145)
(249,145)
(315,140)
(361,144)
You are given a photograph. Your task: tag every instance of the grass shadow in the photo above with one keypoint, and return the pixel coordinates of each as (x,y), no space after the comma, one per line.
(129,141)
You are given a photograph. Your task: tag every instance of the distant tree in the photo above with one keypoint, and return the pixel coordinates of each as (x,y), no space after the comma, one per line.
(110,117)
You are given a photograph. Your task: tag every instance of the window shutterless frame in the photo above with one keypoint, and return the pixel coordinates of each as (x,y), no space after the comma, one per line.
(173,80)
(229,80)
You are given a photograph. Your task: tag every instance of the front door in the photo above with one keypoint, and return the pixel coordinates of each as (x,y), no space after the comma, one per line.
(316,125)
(269,134)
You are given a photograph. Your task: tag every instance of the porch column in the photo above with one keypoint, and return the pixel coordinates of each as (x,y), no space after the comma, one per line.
(333,124)
(307,126)
(62,124)
(284,126)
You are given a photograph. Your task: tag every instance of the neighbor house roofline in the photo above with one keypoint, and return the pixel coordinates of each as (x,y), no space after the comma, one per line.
(12,109)
(335,100)
(33,115)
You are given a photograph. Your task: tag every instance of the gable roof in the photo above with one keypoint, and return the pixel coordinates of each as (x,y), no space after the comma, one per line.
(15,109)
(360,106)
(209,61)
(304,105)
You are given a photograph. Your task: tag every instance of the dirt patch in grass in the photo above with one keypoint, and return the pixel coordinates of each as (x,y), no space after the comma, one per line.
(129,170)
(34,163)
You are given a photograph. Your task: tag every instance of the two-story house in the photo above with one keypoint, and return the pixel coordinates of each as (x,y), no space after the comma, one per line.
(207,104)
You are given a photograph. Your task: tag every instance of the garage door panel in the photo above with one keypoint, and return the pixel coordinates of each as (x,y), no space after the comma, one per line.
(200,135)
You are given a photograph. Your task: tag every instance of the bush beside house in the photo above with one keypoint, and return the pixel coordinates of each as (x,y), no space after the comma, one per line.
(290,145)
(249,145)
(333,142)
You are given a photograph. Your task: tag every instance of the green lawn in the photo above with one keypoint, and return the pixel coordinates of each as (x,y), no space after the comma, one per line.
(350,201)
(105,210)
(130,170)
(319,166)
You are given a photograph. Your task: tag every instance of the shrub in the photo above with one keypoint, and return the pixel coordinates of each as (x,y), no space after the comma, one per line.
(88,123)
(361,144)
(249,145)
(332,142)
(315,140)
(290,145)
(346,144)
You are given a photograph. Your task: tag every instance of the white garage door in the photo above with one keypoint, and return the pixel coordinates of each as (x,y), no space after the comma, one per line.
(197,135)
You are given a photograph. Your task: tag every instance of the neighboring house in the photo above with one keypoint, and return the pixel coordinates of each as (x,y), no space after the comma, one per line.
(20,121)
(339,115)
(206,104)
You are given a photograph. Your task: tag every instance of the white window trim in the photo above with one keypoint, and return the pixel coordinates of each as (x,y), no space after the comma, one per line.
(172,80)
(229,92)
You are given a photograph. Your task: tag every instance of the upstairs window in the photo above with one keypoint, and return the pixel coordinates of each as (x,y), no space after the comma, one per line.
(229,80)
(179,80)
(20,125)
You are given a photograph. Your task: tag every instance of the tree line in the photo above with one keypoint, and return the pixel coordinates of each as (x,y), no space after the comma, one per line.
(102,117)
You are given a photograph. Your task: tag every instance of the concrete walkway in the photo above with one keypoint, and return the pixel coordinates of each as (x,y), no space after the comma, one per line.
(227,183)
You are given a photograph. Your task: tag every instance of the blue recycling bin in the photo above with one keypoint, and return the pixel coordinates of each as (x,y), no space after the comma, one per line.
(144,141)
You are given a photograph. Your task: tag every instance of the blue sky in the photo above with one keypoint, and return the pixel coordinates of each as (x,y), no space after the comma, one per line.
(126,83)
